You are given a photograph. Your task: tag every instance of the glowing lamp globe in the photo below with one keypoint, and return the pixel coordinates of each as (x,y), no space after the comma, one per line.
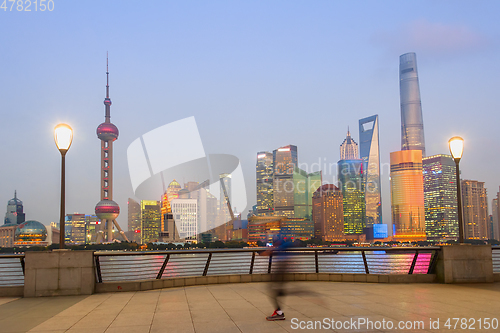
(107,132)
(456,147)
(107,210)
(63,136)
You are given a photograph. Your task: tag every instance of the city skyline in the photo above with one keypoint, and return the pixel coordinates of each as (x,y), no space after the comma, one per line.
(235,69)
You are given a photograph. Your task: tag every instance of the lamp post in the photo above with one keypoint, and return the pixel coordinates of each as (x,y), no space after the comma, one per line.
(456,145)
(63,136)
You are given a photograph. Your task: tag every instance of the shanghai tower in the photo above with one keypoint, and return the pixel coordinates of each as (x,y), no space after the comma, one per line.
(412,124)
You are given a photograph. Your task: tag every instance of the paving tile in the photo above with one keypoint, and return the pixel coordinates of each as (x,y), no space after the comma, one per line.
(216,326)
(243,307)
(130,329)
(133,319)
(57,323)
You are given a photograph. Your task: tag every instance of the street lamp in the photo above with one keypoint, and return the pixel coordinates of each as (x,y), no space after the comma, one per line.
(63,135)
(456,145)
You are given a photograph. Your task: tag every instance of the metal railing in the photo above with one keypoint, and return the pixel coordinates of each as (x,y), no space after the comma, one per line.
(123,266)
(495,253)
(11,270)
(132,266)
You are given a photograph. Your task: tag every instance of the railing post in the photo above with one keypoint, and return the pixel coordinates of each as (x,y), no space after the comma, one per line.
(316,260)
(432,262)
(270,263)
(205,271)
(252,262)
(162,269)
(365,262)
(22,264)
(98,269)
(412,267)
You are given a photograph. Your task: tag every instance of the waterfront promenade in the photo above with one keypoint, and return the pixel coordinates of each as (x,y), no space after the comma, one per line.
(242,307)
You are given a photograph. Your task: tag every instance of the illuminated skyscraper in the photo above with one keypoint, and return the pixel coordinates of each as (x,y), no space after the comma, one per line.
(412,124)
(407,196)
(172,192)
(370,154)
(150,221)
(494,212)
(328,213)
(134,220)
(350,176)
(107,210)
(475,207)
(284,162)
(349,148)
(15,213)
(440,198)
(304,185)
(74,225)
(264,171)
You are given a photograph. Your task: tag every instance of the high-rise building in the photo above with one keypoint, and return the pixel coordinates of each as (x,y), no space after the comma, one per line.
(328,213)
(349,148)
(134,220)
(15,213)
(150,221)
(407,196)
(285,160)
(475,210)
(412,124)
(91,228)
(74,229)
(264,228)
(167,223)
(264,173)
(80,228)
(350,176)
(369,152)
(107,210)
(494,213)
(185,212)
(440,198)
(304,185)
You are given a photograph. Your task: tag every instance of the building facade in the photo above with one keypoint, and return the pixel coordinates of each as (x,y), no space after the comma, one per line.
(134,220)
(475,210)
(349,148)
(264,175)
(304,185)
(150,221)
(75,229)
(369,153)
(15,211)
(350,176)
(264,228)
(496,217)
(185,213)
(412,123)
(285,160)
(440,198)
(328,213)
(407,196)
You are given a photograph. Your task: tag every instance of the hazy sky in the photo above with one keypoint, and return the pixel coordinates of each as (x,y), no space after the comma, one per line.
(256,75)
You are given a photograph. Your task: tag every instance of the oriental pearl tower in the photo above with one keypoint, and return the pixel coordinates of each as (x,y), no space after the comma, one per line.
(107,210)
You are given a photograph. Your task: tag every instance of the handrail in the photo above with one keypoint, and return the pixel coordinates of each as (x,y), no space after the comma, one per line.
(259,249)
(140,265)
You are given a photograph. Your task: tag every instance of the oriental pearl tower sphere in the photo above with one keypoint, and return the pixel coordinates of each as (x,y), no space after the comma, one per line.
(107,210)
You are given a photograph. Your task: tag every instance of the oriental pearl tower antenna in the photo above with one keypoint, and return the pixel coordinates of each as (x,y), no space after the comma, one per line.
(107,210)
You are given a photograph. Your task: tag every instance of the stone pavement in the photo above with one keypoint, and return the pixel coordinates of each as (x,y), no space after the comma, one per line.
(243,307)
